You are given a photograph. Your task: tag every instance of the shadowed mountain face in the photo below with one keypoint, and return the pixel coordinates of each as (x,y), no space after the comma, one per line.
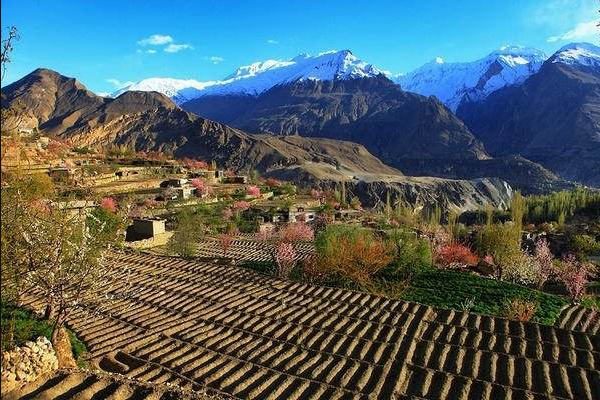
(553,118)
(375,112)
(416,134)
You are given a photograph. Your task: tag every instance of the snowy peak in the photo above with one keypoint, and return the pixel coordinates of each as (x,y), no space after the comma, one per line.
(578,54)
(257,68)
(453,82)
(180,90)
(258,77)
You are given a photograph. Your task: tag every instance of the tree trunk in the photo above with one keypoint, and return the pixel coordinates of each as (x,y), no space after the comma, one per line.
(49,312)
(62,347)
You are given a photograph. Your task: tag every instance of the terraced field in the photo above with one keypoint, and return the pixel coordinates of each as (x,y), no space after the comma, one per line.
(67,384)
(244,335)
(580,319)
(243,249)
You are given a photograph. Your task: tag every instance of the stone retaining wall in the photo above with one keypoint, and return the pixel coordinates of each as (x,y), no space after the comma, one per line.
(26,363)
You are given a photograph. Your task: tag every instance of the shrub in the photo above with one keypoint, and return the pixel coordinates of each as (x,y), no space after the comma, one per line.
(352,253)
(584,244)
(225,240)
(253,191)
(544,260)
(520,310)
(455,254)
(285,257)
(194,164)
(521,268)
(500,241)
(200,187)
(151,203)
(296,231)
(437,235)
(272,182)
(106,223)
(109,204)
(241,205)
(413,255)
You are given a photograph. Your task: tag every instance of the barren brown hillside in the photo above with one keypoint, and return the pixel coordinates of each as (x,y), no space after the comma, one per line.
(244,335)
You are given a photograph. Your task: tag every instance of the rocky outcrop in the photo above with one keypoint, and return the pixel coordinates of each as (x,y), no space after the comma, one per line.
(447,194)
(27,363)
(522,174)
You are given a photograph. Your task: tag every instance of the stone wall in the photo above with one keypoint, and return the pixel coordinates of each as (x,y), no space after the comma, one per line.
(158,240)
(26,363)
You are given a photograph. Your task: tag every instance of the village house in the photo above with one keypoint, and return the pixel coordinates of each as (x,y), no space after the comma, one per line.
(145,228)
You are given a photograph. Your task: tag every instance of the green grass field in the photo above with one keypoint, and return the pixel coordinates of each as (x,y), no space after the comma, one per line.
(458,290)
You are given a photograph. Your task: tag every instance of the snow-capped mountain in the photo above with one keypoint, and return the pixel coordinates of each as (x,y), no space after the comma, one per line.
(179,90)
(256,78)
(578,53)
(451,82)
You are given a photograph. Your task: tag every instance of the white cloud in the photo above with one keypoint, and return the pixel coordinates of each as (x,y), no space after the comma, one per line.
(271,41)
(149,51)
(174,48)
(155,40)
(583,30)
(216,59)
(118,84)
(561,15)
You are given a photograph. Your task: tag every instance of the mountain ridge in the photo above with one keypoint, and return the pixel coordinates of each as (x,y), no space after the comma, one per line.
(552,118)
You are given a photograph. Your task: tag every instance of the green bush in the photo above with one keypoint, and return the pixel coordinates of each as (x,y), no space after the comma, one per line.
(413,255)
(189,232)
(501,241)
(584,244)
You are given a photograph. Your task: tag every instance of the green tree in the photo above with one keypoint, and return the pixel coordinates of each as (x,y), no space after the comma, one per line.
(190,230)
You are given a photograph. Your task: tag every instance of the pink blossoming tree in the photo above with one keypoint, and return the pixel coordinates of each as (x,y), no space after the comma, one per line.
(285,257)
(253,191)
(574,274)
(295,232)
(545,262)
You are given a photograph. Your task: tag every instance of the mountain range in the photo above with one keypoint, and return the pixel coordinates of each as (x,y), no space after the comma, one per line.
(449,82)
(60,106)
(514,116)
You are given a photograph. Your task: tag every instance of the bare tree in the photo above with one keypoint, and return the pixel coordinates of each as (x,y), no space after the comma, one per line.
(11,116)
(7,48)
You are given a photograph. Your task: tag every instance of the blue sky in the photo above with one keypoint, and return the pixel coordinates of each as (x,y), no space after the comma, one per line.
(107,43)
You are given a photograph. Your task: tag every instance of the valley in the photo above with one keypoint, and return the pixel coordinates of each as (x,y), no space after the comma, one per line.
(309,226)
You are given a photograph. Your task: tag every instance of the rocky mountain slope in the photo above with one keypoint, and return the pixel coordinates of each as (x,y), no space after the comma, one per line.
(408,131)
(552,118)
(372,111)
(473,80)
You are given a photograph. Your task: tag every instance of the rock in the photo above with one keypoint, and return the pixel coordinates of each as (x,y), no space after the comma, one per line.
(485,268)
(21,376)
